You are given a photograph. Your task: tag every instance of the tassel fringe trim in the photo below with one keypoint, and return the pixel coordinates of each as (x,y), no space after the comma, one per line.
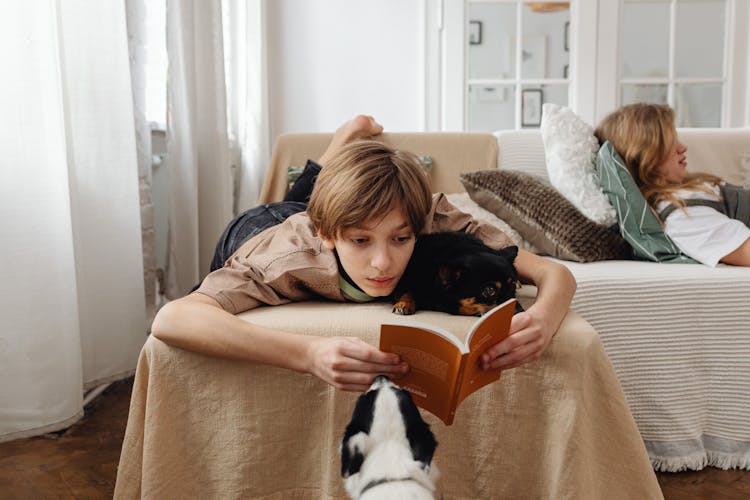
(698,461)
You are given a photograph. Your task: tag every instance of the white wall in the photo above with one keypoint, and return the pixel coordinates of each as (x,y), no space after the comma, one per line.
(329,60)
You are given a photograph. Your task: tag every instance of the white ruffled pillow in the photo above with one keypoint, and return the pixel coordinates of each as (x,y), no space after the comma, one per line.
(570,151)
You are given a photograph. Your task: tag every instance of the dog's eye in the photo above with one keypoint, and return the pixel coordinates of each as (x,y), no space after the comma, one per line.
(489,291)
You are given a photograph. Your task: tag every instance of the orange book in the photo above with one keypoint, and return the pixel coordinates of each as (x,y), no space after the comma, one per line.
(443,369)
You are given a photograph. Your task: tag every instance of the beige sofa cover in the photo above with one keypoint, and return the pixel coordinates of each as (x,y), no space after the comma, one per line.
(201,427)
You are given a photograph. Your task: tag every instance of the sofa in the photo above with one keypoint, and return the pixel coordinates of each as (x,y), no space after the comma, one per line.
(678,335)
(559,427)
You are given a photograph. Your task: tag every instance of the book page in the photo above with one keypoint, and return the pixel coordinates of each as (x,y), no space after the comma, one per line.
(434,329)
(433,365)
(488,331)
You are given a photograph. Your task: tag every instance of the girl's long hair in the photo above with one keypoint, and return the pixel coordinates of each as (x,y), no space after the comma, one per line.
(644,135)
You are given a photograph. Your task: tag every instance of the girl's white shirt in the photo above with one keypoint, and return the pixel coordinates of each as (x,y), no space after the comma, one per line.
(701,232)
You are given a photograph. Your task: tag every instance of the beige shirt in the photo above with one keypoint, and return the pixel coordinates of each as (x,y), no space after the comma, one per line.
(288,262)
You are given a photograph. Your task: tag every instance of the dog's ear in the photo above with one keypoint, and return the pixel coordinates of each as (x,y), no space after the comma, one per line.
(421,439)
(510,252)
(448,275)
(352,449)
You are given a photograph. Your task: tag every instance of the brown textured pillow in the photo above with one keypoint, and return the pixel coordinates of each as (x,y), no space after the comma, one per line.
(543,216)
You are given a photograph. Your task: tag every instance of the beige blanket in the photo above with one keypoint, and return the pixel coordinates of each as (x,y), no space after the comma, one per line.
(201,427)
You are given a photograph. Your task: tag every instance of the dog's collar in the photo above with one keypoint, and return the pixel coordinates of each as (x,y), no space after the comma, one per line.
(384,480)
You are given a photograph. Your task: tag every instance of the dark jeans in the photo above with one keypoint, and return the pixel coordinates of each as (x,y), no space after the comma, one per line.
(253,221)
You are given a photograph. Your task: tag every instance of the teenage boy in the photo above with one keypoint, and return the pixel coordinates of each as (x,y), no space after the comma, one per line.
(353,243)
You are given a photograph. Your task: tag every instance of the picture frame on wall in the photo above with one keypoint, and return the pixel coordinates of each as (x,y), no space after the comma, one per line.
(531,107)
(475,32)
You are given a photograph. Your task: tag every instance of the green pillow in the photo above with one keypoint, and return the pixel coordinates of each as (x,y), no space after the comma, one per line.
(292,174)
(638,225)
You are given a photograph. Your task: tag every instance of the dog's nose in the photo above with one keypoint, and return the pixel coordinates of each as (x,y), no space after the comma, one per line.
(379,382)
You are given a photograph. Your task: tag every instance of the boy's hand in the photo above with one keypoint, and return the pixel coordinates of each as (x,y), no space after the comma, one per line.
(528,339)
(351,364)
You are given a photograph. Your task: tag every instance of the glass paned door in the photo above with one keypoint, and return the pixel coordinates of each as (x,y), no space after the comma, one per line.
(518,56)
(672,52)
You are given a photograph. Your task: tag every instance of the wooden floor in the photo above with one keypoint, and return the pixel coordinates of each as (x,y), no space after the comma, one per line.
(81,462)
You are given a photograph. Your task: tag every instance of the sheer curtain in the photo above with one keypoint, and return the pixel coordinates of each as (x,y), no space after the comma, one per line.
(72,311)
(200,191)
(137,49)
(217,121)
(247,96)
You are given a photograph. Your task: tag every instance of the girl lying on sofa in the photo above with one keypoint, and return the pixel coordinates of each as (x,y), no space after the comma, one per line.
(352,243)
(706,218)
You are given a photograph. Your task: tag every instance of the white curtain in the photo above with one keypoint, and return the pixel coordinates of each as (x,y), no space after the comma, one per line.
(137,48)
(217,126)
(247,96)
(200,202)
(71,294)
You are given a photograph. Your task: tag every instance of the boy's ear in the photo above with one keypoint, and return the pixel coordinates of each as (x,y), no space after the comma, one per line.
(327,242)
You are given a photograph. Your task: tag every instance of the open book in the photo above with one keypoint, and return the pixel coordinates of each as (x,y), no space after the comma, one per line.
(443,369)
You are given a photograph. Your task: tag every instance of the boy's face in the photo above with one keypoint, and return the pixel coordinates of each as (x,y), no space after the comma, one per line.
(376,254)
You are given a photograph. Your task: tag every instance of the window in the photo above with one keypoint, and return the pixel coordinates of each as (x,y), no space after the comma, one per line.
(672,52)
(518,59)
(690,54)
(594,56)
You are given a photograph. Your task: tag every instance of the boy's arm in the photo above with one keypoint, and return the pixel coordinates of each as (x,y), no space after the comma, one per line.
(197,323)
(532,330)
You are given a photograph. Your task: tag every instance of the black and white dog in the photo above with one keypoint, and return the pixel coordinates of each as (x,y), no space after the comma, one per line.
(387,448)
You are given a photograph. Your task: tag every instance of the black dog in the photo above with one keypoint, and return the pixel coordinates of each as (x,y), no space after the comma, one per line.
(457,273)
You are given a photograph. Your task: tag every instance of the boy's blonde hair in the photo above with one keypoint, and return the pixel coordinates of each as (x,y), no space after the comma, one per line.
(644,134)
(366,180)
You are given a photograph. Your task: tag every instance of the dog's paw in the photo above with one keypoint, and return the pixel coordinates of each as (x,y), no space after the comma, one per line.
(404,308)
(405,305)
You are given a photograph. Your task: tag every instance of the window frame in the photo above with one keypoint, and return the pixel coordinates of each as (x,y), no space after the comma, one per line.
(594,67)
(734,112)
